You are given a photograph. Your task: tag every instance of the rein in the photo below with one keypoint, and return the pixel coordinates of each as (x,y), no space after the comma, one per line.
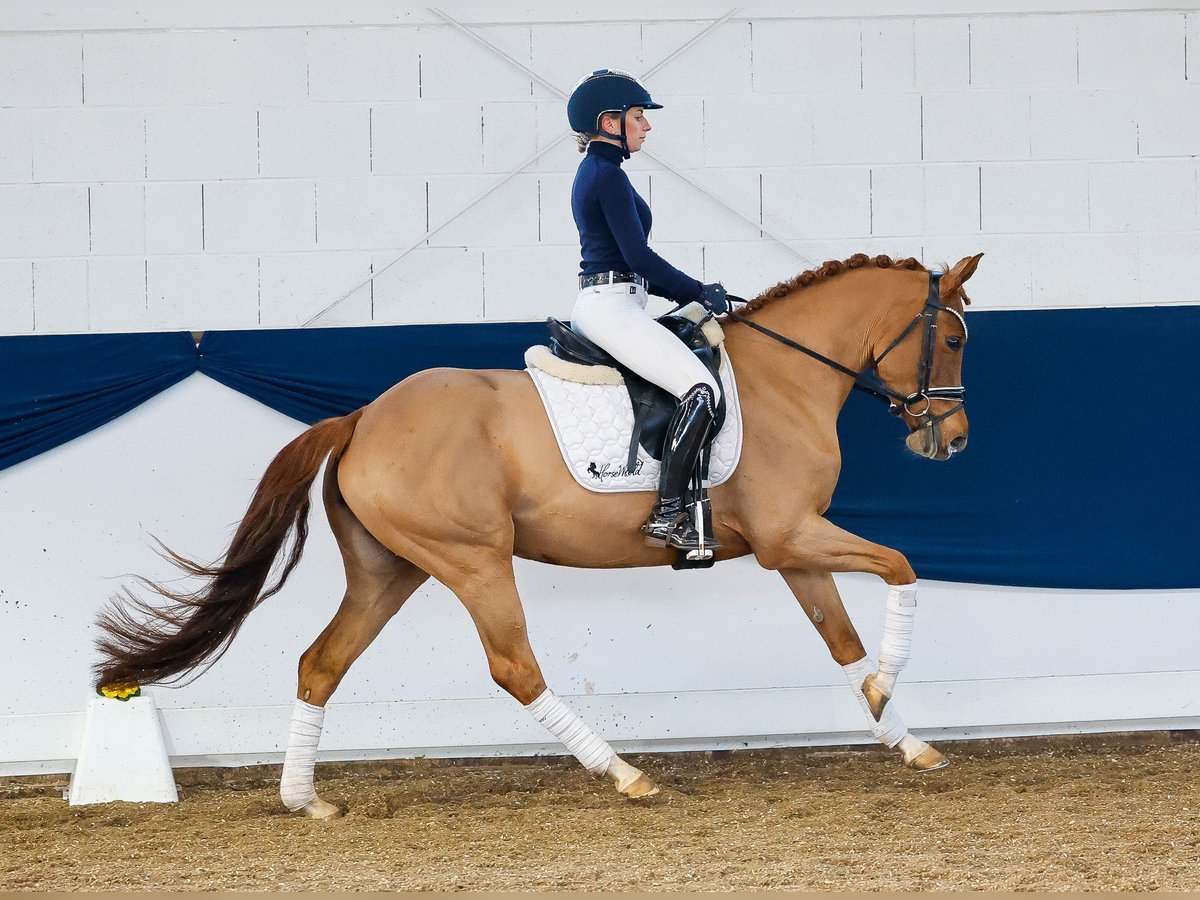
(897,402)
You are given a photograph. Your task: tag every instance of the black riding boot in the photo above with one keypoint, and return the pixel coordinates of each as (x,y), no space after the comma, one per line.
(670,523)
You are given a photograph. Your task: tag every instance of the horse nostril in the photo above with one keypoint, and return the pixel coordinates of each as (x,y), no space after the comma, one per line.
(958,444)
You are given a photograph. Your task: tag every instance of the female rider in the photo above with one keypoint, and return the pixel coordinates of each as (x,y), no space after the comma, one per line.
(618,271)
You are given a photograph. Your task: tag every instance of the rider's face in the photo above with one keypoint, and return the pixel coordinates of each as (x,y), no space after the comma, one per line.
(637,126)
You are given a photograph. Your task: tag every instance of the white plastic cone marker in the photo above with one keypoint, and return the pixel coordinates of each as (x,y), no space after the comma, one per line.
(123,755)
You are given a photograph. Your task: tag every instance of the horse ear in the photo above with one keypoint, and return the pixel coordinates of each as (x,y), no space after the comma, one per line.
(955,278)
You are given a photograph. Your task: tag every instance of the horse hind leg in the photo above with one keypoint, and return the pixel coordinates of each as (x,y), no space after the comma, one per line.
(495,607)
(377,584)
(819,596)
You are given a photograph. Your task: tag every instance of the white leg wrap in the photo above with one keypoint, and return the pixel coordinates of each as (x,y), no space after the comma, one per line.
(561,721)
(296,785)
(896,645)
(889,730)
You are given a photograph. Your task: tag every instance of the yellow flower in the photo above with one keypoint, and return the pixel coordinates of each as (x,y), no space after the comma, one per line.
(119,691)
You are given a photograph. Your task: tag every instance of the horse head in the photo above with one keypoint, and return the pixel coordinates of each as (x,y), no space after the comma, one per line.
(922,368)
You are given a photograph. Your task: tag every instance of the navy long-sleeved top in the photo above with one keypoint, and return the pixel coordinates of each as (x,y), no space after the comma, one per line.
(614,221)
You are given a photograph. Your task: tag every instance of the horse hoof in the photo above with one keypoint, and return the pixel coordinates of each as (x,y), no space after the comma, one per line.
(927,760)
(876,699)
(321,811)
(640,787)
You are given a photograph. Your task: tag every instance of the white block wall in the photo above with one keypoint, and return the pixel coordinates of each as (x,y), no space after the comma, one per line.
(243,168)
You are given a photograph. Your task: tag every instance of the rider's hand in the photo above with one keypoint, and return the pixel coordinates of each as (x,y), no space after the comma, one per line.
(713,299)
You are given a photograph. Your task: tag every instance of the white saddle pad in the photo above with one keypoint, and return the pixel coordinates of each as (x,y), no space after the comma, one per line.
(593,422)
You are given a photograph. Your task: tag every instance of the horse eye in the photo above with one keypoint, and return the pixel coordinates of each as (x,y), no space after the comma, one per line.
(954,343)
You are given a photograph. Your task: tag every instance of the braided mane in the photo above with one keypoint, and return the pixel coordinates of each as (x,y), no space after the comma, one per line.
(826,271)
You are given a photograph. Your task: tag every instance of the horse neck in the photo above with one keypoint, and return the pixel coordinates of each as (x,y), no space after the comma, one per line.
(841,318)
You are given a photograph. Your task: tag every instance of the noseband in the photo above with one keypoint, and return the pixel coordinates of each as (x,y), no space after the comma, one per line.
(917,404)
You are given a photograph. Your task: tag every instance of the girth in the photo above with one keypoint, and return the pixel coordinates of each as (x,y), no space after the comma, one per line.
(653,407)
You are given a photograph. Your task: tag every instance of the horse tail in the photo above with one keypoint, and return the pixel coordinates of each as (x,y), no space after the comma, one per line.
(141,643)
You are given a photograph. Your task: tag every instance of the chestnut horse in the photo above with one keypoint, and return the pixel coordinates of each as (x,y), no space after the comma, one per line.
(410,496)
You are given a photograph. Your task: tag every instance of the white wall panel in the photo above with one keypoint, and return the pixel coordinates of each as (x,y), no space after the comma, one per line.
(297,286)
(556,221)
(260,216)
(116,295)
(1085,269)
(199,142)
(509,133)
(1193,41)
(1085,124)
(747,268)
(1023,51)
(1150,195)
(1166,267)
(888,54)
(454,66)
(951,199)
(942,58)
(564,155)
(194,67)
(1120,49)
(200,292)
(507,217)
(817,202)
(363,64)
(1006,277)
(677,133)
(940,198)
(720,64)
(804,56)
(43,220)
(529,283)
(866,128)
(1169,121)
(299,141)
(16,296)
(117,217)
(174,220)
(1034,197)
(683,213)
(41,70)
(976,125)
(428,136)
(562,54)
(16,146)
(430,280)
(62,292)
(88,145)
(379,212)
(781,125)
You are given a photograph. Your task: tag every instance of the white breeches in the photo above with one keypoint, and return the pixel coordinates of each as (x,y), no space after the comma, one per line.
(614,317)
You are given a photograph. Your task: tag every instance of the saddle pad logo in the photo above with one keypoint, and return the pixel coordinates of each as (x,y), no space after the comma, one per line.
(592,424)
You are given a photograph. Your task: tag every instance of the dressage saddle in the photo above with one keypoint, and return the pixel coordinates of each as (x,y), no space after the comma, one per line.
(653,407)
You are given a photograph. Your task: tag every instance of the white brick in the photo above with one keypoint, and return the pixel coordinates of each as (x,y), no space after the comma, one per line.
(556,222)
(1169,267)
(677,134)
(951,199)
(370,64)
(747,268)
(1083,125)
(116,294)
(563,54)
(1023,51)
(888,54)
(527,284)
(981,125)
(41,70)
(16,296)
(195,143)
(16,147)
(943,53)
(551,124)
(314,139)
(199,292)
(866,128)
(89,145)
(683,213)
(808,55)
(43,220)
(1150,195)
(509,134)
(428,137)
(1004,279)
(61,294)
(382,213)
(507,217)
(817,203)
(1193,46)
(297,286)
(1127,50)
(718,64)
(259,216)
(897,200)
(457,67)
(1034,197)
(1085,270)
(194,67)
(174,218)
(758,130)
(118,218)
(1169,122)
(432,284)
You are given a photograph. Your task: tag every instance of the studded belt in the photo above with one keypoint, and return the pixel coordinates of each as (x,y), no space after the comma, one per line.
(587,281)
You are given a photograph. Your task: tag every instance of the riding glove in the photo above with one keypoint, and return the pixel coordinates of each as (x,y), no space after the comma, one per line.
(713,299)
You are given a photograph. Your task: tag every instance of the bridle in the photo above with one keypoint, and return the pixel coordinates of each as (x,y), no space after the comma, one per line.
(919,403)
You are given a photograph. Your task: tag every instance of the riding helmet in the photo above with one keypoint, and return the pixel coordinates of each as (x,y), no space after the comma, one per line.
(605,90)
